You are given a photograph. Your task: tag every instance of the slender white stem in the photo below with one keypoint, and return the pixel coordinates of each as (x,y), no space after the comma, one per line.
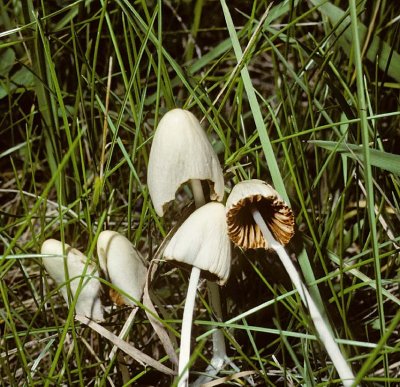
(198,193)
(219,349)
(184,354)
(219,357)
(324,333)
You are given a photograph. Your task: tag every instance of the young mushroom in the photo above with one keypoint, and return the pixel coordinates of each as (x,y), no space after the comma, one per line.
(69,268)
(125,268)
(258,218)
(123,265)
(201,242)
(181,153)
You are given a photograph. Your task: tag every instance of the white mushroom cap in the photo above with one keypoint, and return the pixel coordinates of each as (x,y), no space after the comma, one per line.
(202,241)
(124,266)
(180,152)
(242,228)
(88,303)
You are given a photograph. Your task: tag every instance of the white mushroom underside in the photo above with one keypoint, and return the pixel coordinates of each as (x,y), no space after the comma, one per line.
(242,229)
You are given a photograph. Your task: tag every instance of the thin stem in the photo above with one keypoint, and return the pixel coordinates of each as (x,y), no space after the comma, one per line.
(324,333)
(219,352)
(198,193)
(219,349)
(184,354)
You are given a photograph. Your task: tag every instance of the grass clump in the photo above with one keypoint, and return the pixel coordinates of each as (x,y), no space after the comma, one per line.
(303,95)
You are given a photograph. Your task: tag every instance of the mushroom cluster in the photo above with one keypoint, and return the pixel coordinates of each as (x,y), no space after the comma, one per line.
(73,273)
(181,153)
(254,217)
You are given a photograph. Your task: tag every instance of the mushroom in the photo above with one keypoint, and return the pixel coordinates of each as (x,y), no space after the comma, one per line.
(258,217)
(70,268)
(201,242)
(125,268)
(242,229)
(123,265)
(181,153)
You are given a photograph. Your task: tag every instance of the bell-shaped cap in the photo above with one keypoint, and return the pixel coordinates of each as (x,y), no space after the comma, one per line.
(88,303)
(242,229)
(124,266)
(202,241)
(181,152)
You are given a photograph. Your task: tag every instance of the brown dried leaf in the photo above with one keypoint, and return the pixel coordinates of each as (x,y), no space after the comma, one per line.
(129,349)
(151,313)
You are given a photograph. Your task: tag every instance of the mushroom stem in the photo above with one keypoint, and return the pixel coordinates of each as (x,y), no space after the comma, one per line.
(219,354)
(218,340)
(324,333)
(198,193)
(184,354)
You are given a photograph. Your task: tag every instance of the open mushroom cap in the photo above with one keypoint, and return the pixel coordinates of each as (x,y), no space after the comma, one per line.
(202,241)
(88,302)
(180,152)
(124,266)
(242,229)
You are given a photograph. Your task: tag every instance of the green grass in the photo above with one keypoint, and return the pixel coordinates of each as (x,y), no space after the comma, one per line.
(303,95)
